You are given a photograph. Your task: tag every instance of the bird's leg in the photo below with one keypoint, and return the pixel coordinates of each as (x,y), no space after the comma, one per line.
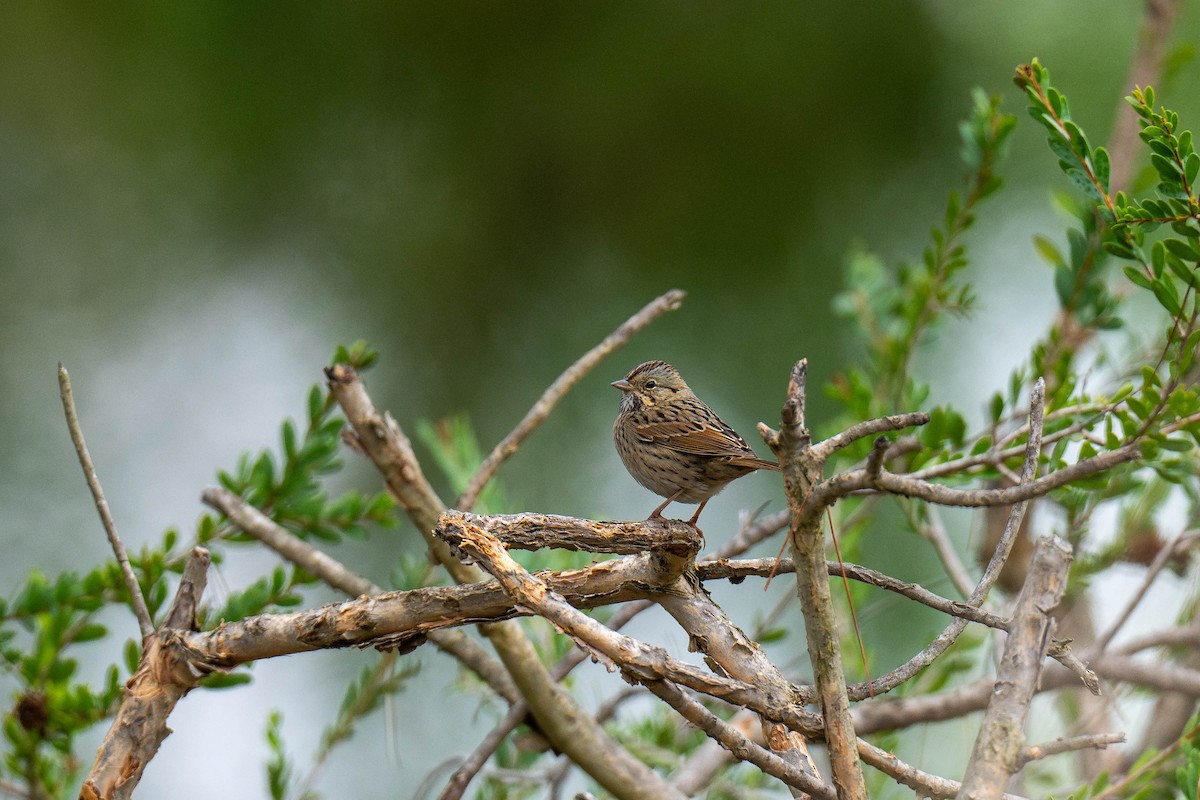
(695,517)
(657,513)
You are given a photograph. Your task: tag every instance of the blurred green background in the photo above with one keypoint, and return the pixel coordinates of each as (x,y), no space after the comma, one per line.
(199,200)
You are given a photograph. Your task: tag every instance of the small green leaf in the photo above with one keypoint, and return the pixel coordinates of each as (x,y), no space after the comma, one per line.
(91,632)
(1103,166)
(227,680)
(1137,277)
(1048,251)
(288,435)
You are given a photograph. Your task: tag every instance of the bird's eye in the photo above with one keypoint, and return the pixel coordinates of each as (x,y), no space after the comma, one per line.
(650,384)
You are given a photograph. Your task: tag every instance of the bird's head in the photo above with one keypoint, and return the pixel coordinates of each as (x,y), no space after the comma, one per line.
(651,384)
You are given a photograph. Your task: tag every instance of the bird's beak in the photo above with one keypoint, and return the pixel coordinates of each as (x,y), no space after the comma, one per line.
(622,384)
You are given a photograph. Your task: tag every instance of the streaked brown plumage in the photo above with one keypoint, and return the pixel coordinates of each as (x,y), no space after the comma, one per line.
(674,444)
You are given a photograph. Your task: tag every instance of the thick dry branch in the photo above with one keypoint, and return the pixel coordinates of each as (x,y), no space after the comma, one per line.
(165,673)
(252,521)
(637,660)
(537,531)
(549,399)
(802,475)
(998,747)
(630,779)
(401,620)
(381,439)
(136,600)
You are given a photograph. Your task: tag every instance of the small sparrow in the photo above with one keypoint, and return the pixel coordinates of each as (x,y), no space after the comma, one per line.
(675,445)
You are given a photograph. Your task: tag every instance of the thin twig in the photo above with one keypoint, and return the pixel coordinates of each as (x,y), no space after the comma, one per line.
(1098,741)
(1033,450)
(136,599)
(925,784)
(861,430)
(1150,764)
(735,571)
(733,740)
(857,481)
(562,384)
(936,533)
(471,765)
(1156,566)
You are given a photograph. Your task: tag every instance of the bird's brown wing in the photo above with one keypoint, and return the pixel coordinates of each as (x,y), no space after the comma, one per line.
(712,438)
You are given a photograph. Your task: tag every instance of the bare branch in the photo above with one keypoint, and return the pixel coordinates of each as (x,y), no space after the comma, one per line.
(562,384)
(1001,452)
(335,574)
(627,778)
(894,714)
(923,783)
(402,620)
(537,531)
(1098,741)
(728,651)
(136,600)
(935,532)
(250,520)
(1161,559)
(802,475)
(470,767)
(997,753)
(381,440)
(762,567)
(738,744)
(182,613)
(1033,450)
(858,480)
(875,460)
(861,430)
